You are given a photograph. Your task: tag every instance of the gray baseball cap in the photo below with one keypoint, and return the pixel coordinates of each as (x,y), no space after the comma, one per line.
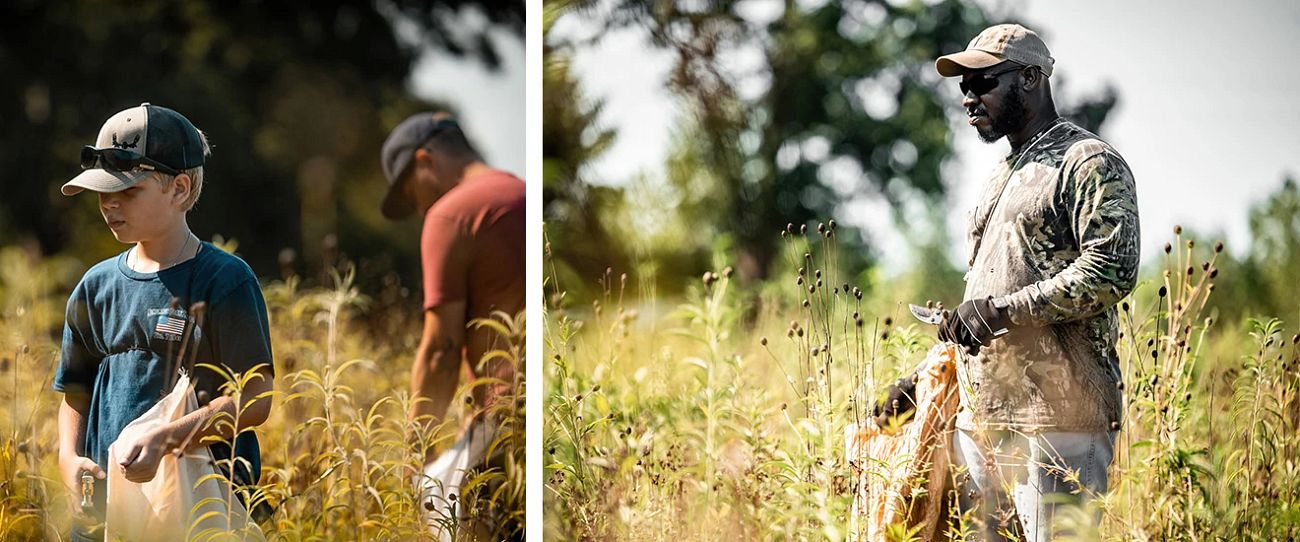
(399,151)
(995,45)
(155,133)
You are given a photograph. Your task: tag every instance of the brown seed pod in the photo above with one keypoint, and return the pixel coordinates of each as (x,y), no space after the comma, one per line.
(1218,247)
(763,341)
(1178,230)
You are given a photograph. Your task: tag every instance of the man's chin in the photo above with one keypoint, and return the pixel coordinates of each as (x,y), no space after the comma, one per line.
(988,135)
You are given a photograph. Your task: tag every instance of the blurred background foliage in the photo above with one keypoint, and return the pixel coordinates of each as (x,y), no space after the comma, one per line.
(744,164)
(296,98)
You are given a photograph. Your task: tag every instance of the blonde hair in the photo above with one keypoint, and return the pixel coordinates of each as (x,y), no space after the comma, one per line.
(195,174)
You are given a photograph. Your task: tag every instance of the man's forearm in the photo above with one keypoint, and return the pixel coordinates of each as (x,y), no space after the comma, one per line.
(1088,286)
(434,379)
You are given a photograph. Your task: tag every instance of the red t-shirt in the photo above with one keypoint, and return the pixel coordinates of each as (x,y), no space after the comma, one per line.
(472,250)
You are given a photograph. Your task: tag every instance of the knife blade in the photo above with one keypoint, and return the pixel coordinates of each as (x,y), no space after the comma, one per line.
(925,315)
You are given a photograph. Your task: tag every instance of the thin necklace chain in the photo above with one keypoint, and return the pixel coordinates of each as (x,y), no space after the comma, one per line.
(175,259)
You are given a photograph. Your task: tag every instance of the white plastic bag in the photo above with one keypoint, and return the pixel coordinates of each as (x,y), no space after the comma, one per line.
(444,476)
(186,500)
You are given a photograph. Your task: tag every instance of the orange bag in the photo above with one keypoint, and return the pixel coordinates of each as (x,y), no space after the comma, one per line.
(892,468)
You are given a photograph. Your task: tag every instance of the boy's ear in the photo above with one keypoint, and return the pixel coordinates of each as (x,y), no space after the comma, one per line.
(181,185)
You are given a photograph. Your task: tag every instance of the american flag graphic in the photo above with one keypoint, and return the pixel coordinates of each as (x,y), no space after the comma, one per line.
(170,325)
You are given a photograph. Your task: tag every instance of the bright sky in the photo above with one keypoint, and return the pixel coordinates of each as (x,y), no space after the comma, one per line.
(1207,118)
(491,103)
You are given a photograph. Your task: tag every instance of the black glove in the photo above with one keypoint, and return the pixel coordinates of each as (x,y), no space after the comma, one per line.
(900,400)
(975,323)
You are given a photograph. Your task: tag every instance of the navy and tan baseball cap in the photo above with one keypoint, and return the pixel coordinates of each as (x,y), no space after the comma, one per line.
(399,151)
(157,133)
(995,45)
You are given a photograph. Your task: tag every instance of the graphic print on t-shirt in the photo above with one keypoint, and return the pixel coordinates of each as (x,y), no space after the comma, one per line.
(169,324)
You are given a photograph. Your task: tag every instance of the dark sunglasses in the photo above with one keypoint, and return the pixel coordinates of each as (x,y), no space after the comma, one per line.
(985,82)
(114,159)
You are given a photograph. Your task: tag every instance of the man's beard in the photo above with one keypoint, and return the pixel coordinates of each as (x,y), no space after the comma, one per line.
(1011,118)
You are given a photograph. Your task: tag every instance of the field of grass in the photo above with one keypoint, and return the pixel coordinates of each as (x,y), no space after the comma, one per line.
(336,452)
(724,419)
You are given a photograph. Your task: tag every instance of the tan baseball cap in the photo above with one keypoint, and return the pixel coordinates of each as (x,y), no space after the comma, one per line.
(997,44)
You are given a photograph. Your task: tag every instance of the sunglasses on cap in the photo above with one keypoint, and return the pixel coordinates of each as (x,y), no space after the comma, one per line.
(114,159)
(985,82)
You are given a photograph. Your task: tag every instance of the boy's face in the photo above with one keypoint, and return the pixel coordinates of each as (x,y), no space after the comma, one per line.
(143,212)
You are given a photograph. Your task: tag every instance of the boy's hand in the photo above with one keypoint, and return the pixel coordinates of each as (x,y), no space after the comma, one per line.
(140,464)
(72,467)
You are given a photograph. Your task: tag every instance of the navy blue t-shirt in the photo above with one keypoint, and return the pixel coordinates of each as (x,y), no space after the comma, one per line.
(122,339)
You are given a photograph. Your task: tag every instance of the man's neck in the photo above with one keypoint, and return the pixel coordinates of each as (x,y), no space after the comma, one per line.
(164,251)
(472,169)
(1036,124)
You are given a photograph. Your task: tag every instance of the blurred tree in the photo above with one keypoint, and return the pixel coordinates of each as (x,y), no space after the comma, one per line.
(296,98)
(842,104)
(1262,282)
(574,210)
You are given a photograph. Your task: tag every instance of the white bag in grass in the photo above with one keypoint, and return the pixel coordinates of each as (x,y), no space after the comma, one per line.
(444,476)
(186,500)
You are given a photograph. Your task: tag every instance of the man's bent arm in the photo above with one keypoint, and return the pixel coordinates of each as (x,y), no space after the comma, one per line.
(435,371)
(1105,219)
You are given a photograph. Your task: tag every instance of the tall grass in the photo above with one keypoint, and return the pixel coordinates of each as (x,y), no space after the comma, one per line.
(341,460)
(724,419)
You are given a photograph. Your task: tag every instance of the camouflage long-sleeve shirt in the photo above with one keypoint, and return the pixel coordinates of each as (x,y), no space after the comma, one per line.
(1055,238)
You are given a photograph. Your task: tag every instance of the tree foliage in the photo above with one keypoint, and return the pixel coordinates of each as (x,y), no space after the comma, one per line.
(842,106)
(296,98)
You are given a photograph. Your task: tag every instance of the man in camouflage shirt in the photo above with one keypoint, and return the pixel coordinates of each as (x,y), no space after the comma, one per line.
(1054,247)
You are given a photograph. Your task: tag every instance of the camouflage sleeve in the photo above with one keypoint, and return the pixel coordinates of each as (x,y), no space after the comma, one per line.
(1100,201)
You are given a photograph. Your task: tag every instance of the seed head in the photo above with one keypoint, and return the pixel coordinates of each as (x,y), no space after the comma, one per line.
(805,302)
(1163,291)
(1190,243)
(798,281)
(1168,248)
(1218,247)
(726,272)
(1214,272)
(789,227)
(889,320)
(799,332)
(803,229)
(1178,230)
(821,227)
(832,223)
(763,341)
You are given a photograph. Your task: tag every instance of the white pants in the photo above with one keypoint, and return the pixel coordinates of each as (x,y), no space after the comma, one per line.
(1036,469)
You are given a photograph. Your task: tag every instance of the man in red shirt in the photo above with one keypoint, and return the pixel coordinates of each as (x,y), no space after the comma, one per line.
(472,260)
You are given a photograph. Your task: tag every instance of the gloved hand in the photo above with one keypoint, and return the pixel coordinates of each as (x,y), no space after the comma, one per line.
(975,323)
(900,400)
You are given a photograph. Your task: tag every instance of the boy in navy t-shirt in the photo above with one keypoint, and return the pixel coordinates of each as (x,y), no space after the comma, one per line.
(129,316)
